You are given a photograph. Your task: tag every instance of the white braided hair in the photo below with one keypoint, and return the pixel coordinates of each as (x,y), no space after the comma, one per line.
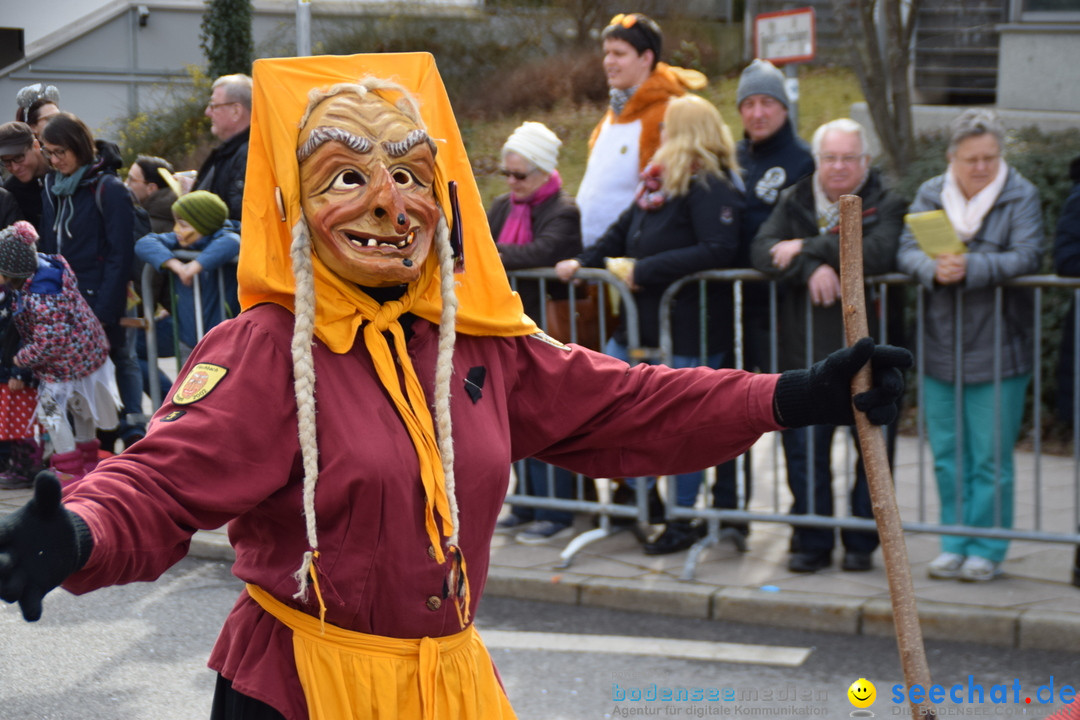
(303,337)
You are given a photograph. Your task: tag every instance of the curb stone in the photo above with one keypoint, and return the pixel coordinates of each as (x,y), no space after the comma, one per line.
(1027,629)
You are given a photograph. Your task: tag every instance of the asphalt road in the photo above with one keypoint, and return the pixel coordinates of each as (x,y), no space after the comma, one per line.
(139,652)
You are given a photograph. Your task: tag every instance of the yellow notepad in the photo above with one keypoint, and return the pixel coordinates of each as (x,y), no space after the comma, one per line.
(935,233)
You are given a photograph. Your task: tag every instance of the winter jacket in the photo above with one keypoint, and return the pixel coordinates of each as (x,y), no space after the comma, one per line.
(10,340)
(768,167)
(98,244)
(159,207)
(27,198)
(9,209)
(621,145)
(62,339)
(222,173)
(1009,244)
(215,251)
(795,216)
(556,227)
(694,232)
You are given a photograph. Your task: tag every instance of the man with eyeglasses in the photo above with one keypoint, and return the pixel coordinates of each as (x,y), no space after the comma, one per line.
(799,245)
(21,155)
(223,171)
(628,135)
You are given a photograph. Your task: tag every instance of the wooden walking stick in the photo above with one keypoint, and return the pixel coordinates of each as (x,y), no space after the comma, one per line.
(875,461)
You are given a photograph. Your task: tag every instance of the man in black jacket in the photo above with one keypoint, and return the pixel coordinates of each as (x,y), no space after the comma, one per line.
(223,171)
(772,158)
(21,155)
(799,245)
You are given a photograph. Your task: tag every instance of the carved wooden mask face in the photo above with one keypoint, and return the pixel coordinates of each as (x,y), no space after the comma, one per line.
(366,189)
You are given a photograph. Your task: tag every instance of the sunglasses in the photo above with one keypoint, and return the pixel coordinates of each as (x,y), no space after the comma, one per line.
(629,20)
(514,174)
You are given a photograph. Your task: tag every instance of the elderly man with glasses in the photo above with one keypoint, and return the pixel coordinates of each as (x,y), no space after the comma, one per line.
(223,171)
(20,153)
(799,246)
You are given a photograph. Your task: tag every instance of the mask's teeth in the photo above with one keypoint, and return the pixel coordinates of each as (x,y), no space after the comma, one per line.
(372,242)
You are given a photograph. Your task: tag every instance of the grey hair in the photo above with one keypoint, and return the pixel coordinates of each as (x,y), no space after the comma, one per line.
(237,88)
(844,125)
(973,122)
(322,135)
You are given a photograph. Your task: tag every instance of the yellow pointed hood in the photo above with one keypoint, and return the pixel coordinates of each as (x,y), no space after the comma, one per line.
(487,305)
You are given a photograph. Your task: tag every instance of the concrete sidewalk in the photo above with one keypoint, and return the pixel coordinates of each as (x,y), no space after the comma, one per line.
(1033,605)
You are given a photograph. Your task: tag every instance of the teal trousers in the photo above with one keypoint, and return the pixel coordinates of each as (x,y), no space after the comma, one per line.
(983,495)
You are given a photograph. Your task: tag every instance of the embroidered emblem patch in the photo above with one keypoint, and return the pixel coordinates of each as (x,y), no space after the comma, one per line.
(174,416)
(544,337)
(199,383)
(768,187)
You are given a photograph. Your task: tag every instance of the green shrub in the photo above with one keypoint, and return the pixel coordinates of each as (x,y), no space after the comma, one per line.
(176,129)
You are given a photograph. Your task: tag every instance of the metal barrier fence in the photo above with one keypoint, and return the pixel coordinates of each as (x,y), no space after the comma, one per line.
(149,309)
(1062,528)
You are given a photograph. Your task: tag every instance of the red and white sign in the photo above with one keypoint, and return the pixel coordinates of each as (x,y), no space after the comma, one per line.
(787,36)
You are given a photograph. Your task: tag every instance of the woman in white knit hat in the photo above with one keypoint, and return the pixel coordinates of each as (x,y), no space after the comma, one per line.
(536,224)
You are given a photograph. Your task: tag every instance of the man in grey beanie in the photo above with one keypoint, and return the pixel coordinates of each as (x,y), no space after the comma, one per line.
(772,157)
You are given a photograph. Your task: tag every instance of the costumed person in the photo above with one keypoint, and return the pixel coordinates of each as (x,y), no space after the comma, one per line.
(65,346)
(407,389)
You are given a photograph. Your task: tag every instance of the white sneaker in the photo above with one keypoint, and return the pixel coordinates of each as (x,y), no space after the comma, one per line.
(541,531)
(945,566)
(979,569)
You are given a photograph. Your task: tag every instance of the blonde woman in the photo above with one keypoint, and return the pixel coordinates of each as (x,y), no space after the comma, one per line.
(685,218)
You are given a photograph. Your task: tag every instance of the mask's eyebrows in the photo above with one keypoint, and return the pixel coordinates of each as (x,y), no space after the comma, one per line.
(321,135)
(402,147)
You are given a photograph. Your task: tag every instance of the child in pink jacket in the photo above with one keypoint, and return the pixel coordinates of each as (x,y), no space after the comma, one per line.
(65,346)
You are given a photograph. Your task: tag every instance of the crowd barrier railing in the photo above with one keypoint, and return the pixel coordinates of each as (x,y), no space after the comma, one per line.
(150,309)
(1054,515)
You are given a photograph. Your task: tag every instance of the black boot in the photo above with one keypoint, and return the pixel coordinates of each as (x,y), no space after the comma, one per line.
(678,535)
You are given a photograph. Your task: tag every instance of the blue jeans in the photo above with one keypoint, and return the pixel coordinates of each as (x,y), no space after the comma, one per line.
(536,473)
(128,380)
(986,500)
(687,485)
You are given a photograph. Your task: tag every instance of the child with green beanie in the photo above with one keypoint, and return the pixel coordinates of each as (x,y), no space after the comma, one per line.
(202,225)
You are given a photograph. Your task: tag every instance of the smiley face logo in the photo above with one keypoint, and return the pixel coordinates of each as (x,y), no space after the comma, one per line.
(862,693)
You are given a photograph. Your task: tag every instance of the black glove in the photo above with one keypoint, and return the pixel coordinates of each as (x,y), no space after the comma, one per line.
(41,543)
(822,394)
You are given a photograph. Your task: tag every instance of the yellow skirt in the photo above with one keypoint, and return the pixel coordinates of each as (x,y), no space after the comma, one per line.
(349,675)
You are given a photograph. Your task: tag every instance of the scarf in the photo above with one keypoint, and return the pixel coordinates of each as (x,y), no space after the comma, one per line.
(518,227)
(66,186)
(650,194)
(828,212)
(966,215)
(619,98)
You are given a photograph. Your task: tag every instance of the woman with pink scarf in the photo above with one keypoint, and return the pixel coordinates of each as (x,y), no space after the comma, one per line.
(536,224)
